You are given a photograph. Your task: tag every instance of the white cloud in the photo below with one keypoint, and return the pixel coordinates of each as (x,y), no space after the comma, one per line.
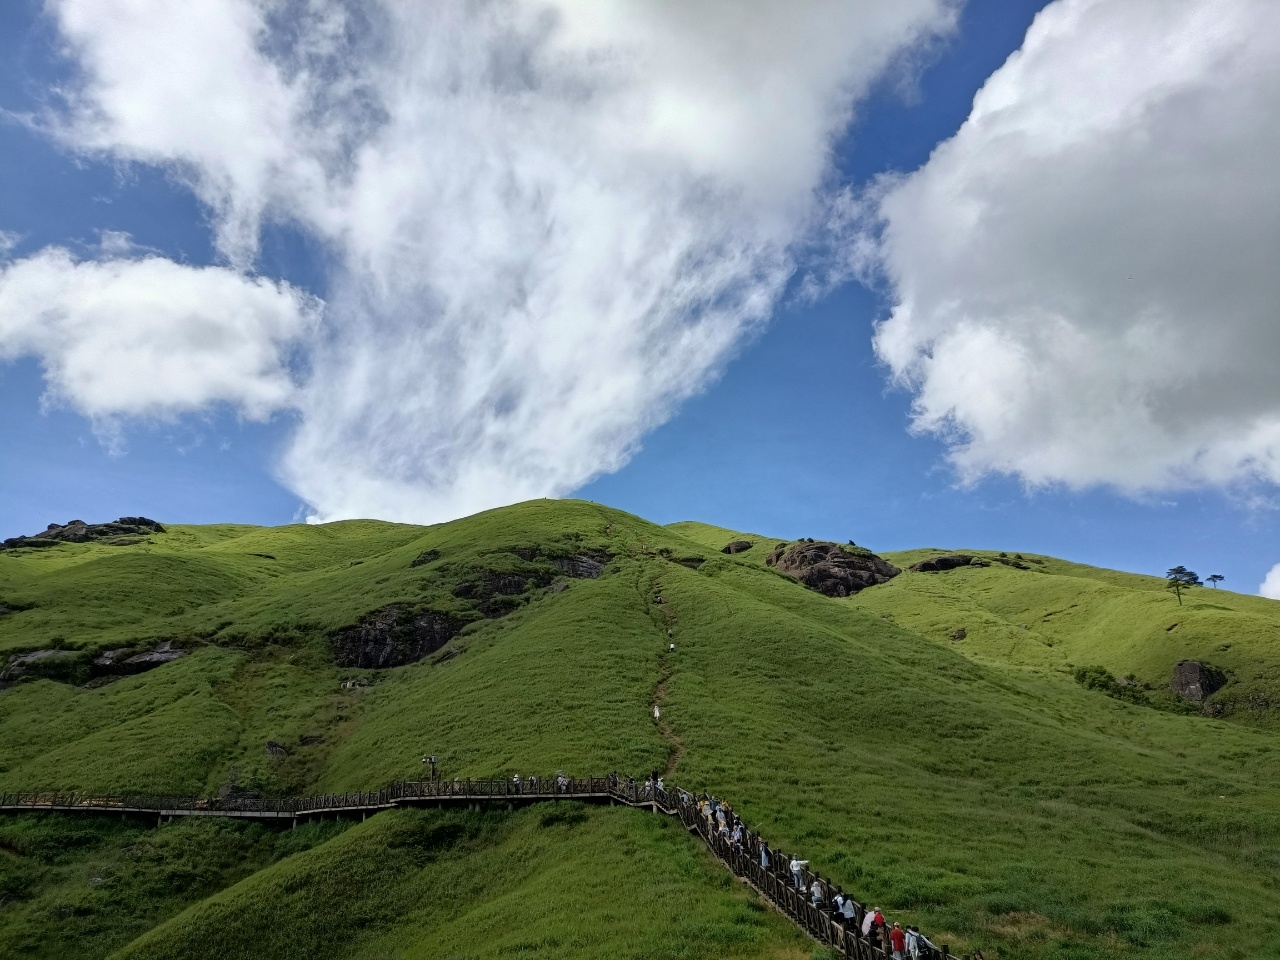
(150,337)
(551,222)
(1270,586)
(1084,277)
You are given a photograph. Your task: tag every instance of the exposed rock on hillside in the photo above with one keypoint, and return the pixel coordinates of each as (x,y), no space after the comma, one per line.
(125,531)
(393,637)
(737,546)
(1193,680)
(425,557)
(831,569)
(950,562)
(79,667)
(19,666)
(499,590)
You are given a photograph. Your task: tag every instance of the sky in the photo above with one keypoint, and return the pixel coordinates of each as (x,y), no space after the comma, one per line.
(995,274)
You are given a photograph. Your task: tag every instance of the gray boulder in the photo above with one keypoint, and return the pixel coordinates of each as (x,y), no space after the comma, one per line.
(1193,680)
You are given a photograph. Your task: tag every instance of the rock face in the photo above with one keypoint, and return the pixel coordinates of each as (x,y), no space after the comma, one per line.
(393,637)
(738,546)
(949,562)
(496,593)
(582,566)
(1193,680)
(18,667)
(124,531)
(831,569)
(75,666)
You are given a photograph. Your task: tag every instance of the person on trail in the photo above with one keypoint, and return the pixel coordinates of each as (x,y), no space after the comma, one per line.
(873,925)
(847,916)
(918,944)
(515,780)
(661,788)
(764,852)
(898,941)
(815,892)
(797,872)
(657,714)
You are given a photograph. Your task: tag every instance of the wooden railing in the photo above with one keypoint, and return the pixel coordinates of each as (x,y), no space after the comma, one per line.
(775,882)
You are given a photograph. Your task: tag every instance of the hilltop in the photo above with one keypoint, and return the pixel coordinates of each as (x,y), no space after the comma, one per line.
(991,751)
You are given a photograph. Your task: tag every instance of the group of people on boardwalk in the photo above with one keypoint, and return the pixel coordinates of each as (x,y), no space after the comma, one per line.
(830,900)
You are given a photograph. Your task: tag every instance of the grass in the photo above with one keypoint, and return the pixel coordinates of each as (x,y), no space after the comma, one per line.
(79,888)
(971,786)
(556,880)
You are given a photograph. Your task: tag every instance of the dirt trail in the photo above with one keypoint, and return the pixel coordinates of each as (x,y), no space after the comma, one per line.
(675,749)
(664,619)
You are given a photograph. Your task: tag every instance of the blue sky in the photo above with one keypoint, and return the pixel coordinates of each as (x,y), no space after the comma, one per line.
(794,429)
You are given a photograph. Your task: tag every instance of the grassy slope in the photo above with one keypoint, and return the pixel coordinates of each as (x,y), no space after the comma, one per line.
(553,880)
(971,786)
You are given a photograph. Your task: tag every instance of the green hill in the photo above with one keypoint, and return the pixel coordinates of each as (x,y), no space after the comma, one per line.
(967,782)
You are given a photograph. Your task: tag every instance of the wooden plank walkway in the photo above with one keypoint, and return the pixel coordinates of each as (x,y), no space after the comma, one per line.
(775,884)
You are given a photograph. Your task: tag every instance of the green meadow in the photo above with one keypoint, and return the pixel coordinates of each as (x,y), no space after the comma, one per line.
(966,782)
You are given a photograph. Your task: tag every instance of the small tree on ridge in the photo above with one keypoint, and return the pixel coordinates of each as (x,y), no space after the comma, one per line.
(1215,579)
(1179,579)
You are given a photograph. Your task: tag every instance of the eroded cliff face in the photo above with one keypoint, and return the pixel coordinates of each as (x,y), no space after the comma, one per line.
(830,568)
(393,636)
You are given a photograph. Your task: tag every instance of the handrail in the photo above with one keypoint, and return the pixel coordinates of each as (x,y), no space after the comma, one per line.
(743,858)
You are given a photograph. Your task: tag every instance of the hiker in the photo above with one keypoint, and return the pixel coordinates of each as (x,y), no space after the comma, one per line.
(847,915)
(797,872)
(873,925)
(898,941)
(917,943)
(815,892)
(764,852)
(516,781)
(656,713)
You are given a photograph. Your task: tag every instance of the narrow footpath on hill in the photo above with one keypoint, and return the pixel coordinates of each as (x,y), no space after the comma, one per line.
(665,619)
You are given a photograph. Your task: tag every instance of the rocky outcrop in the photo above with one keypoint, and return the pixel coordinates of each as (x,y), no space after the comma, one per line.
(392,637)
(830,568)
(25,664)
(582,566)
(737,546)
(1193,680)
(125,531)
(80,667)
(425,557)
(949,562)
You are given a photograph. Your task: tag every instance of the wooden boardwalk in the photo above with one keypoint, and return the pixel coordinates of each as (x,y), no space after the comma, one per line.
(775,883)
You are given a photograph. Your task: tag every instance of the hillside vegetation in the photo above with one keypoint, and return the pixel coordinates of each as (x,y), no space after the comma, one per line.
(962,781)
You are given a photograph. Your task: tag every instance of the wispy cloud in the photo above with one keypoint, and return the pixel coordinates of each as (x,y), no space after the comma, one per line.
(551,222)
